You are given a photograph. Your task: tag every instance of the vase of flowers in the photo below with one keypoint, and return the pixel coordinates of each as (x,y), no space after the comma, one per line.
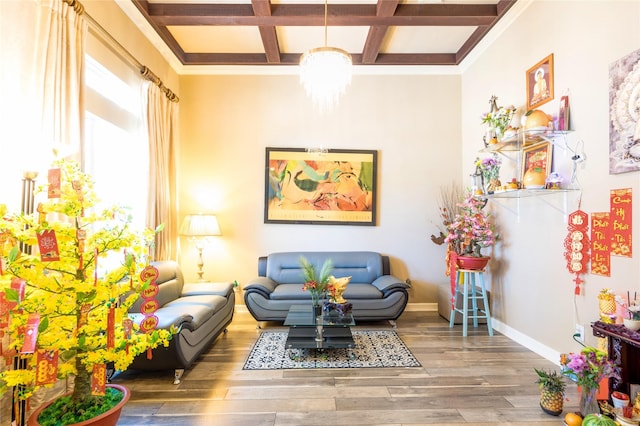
(471,229)
(64,307)
(587,368)
(489,169)
(316,282)
(497,119)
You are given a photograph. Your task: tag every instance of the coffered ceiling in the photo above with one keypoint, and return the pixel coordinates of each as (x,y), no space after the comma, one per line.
(276,32)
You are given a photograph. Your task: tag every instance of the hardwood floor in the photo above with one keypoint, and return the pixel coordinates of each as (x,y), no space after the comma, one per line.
(477,380)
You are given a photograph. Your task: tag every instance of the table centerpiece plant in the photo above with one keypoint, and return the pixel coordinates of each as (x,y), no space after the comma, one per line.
(316,281)
(587,368)
(64,307)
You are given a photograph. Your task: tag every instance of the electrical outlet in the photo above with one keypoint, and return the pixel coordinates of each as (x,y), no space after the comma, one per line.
(579,334)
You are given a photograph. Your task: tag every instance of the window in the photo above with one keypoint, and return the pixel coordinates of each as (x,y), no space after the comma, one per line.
(116,149)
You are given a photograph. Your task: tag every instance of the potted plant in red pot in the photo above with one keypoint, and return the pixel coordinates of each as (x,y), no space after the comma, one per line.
(63,308)
(470,230)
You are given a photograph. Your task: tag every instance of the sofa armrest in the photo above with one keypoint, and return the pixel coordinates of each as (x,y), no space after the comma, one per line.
(389,283)
(200,289)
(165,322)
(262,285)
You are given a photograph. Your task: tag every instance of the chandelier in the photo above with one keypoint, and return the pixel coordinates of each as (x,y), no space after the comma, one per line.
(325,72)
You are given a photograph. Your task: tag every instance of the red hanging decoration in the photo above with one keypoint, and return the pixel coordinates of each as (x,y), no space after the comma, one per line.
(46,367)
(453,261)
(150,321)
(576,245)
(111,334)
(99,379)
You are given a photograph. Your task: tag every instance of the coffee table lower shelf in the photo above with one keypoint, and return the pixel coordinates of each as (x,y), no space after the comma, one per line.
(329,338)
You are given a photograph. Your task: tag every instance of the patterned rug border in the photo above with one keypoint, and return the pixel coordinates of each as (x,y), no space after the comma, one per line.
(374,349)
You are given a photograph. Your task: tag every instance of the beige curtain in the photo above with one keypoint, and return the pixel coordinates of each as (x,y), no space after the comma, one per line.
(59,74)
(162,111)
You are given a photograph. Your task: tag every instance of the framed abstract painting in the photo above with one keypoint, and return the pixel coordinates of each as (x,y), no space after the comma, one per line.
(336,187)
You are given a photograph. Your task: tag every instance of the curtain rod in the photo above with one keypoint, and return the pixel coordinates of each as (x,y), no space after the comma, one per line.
(145,72)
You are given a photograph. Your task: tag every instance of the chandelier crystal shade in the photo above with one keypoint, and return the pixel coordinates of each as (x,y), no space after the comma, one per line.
(325,72)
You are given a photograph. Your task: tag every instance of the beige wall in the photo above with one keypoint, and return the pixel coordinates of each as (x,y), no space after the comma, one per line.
(533,291)
(227,121)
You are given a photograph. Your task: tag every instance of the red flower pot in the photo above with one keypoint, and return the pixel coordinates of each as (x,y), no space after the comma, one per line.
(472,263)
(109,418)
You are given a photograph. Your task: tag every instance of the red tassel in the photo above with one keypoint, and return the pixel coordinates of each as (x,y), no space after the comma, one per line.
(453,260)
(149,354)
(111,318)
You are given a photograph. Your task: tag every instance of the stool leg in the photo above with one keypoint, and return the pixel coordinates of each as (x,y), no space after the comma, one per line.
(485,300)
(474,302)
(465,303)
(452,315)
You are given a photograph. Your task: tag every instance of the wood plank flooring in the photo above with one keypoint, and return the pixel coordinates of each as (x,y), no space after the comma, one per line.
(474,380)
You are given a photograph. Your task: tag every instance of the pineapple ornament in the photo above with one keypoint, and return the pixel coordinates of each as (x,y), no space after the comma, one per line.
(552,387)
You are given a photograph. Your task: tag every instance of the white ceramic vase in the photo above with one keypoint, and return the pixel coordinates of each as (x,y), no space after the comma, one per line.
(631,324)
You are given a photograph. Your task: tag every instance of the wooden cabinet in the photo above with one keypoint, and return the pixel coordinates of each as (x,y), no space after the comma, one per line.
(623,346)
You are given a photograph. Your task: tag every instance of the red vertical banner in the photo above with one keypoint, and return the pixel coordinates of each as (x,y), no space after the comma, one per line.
(621,222)
(600,244)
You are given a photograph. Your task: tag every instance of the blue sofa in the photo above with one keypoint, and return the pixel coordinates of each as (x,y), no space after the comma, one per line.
(373,291)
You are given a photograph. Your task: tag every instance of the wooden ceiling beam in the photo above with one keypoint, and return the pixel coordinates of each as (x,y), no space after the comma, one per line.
(267,32)
(294,59)
(503,6)
(266,16)
(167,14)
(376,34)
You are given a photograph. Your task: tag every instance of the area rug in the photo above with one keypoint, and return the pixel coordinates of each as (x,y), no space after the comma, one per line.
(373,348)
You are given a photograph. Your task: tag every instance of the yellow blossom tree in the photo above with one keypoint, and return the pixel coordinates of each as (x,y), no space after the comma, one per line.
(65,294)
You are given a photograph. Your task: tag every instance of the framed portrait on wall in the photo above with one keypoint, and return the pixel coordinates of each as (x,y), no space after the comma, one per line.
(336,187)
(540,83)
(538,158)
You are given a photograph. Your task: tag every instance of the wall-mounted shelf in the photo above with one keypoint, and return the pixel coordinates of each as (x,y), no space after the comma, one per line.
(523,193)
(529,138)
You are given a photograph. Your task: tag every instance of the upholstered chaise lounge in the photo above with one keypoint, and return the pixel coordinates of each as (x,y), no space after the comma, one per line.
(201,311)
(373,291)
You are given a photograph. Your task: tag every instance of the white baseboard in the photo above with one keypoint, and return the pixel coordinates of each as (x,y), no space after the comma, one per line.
(529,343)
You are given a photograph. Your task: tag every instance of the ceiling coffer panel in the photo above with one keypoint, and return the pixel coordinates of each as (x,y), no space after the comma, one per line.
(263,32)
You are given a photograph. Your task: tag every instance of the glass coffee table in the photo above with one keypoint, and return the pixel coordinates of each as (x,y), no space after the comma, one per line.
(327,331)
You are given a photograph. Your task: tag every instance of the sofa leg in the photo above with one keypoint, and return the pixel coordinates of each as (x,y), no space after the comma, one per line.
(393,324)
(178,375)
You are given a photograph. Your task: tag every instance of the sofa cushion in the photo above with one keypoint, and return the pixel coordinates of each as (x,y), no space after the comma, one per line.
(290,292)
(362,266)
(196,289)
(211,301)
(199,313)
(362,291)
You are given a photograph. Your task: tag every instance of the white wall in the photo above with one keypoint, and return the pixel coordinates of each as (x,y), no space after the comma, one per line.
(532,290)
(227,121)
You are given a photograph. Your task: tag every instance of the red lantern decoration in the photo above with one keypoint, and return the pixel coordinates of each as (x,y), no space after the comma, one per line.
(577,245)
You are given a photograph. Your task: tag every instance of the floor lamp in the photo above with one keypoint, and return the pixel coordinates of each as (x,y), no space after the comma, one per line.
(198,227)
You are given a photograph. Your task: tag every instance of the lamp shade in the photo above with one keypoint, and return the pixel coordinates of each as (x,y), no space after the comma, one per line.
(200,225)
